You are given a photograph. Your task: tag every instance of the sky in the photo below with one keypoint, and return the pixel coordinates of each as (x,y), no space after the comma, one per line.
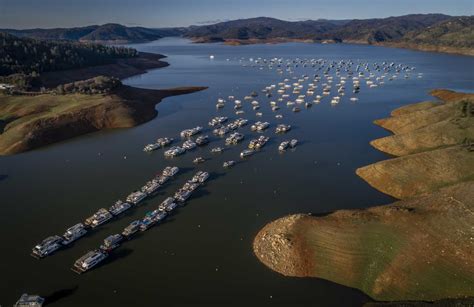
(21,14)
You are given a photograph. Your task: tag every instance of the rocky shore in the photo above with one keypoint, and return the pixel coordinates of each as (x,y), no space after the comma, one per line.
(34,121)
(406,45)
(416,249)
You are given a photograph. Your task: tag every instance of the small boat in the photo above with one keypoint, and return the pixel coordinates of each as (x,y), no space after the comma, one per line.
(111,242)
(234,138)
(282,128)
(228,164)
(162,179)
(241,122)
(182,195)
(217,150)
(89,260)
(151,147)
(170,171)
(29,300)
(164,141)
(293,143)
(260,126)
(162,215)
(47,246)
(217,120)
(131,229)
(100,217)
(221,131)
(73,233)
(174,151)
(283,145)
(198,160)
(258,143)
(189,144)
(147,223)
(190,132)
(150,187)
(167,205)
(136,197)
(246,153)
(119,207)
(202,176)
(202,140)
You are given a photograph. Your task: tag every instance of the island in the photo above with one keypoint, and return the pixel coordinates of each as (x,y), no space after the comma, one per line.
(417,249)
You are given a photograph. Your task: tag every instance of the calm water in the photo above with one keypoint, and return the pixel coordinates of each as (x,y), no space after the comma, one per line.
(203,253)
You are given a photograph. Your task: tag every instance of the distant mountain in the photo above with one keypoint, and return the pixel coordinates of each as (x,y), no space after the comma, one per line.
(53,34)
(368,30)
(454,32)
(104,33)
(436,32)
(119,33)
(261,28)
(338,22)
(384,29)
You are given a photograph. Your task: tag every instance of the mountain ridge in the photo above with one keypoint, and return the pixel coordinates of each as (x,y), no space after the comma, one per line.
(430,32)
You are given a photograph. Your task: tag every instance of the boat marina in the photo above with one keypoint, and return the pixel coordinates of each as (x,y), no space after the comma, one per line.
(51,244)
(291,91)
(151,218)
(332,82)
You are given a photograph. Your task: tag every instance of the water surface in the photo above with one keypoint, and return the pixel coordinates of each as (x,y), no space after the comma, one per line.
(203,253)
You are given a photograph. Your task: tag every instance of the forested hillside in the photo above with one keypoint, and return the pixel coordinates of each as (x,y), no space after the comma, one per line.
(30,56)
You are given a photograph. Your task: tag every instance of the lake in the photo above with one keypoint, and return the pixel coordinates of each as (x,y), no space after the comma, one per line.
(203,253)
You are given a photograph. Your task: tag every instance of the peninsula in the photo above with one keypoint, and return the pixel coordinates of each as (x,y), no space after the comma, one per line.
(418,248)
(67,89)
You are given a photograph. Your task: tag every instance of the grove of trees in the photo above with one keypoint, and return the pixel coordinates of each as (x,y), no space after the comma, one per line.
(31,57)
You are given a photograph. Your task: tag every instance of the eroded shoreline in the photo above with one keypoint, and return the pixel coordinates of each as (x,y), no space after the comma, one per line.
(281,40)
(416,249)
(33,121)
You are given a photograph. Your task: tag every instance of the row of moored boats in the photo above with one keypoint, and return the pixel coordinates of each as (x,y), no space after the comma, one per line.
(52,243)
(152,218)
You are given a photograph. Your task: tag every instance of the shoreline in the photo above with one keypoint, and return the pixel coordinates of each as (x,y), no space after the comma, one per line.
(377,249)
(282,40)
(121,69)
(31,121)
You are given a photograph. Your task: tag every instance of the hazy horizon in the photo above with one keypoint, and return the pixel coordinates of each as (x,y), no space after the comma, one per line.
(22,14)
